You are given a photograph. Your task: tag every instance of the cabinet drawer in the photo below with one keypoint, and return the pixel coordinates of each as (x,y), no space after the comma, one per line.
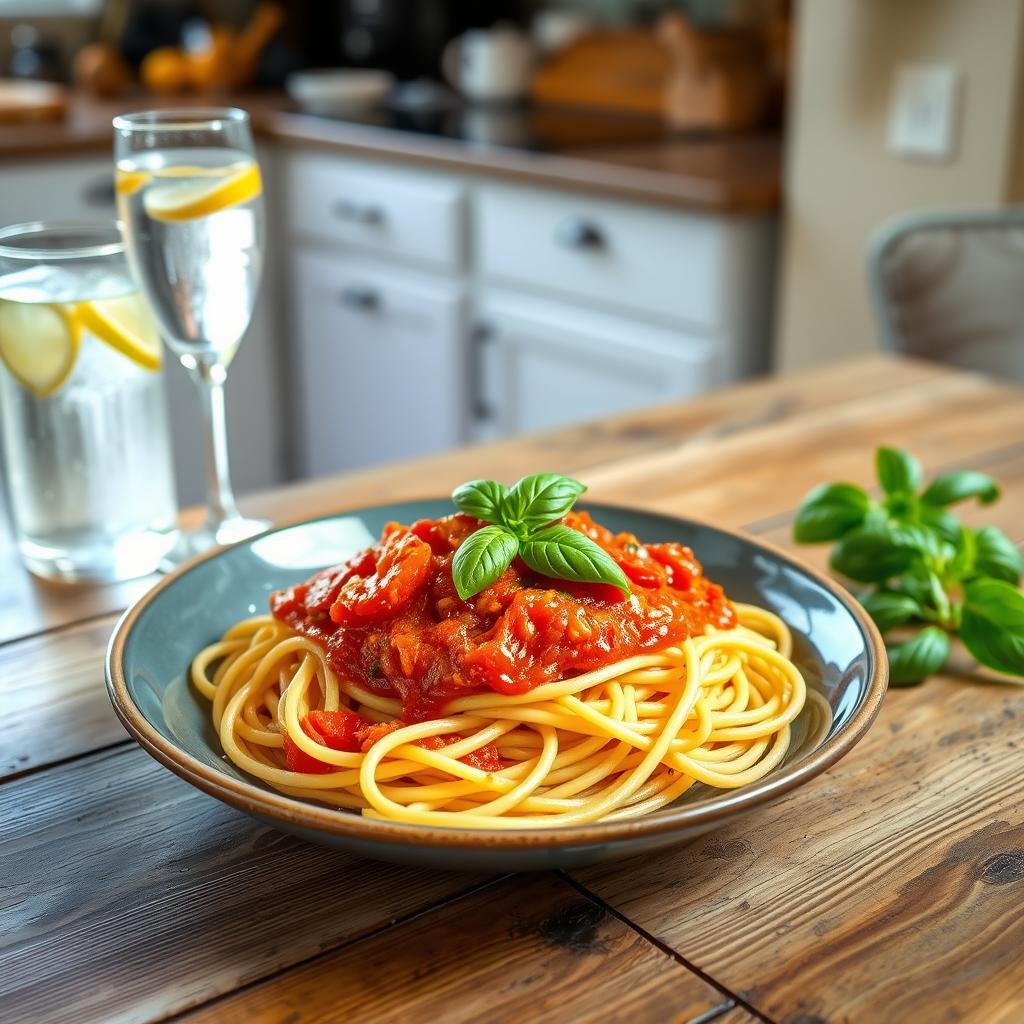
(541,364)
(380,362)
(382,209)
(77,189)
(655,261)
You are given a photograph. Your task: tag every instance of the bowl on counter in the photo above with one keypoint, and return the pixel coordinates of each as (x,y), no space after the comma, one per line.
(339,90)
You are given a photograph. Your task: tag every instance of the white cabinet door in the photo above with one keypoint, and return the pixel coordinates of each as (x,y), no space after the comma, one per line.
(540,365)
(380,363)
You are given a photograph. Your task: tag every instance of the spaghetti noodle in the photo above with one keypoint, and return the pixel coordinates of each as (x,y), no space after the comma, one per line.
(712,704)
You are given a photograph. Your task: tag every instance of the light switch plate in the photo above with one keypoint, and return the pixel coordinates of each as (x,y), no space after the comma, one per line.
(922,121)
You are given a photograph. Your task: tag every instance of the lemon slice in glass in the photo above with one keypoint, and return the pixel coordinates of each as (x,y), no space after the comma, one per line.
(188,200)
(39,343)
(127,183)
(125,324)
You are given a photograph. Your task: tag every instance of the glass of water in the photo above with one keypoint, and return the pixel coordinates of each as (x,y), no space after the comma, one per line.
(83,421)
(189,197)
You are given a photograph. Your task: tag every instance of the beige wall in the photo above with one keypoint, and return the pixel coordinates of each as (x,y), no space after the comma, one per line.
(841,182)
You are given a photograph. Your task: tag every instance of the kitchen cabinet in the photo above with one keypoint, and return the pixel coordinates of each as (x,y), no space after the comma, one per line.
(380,362)
(540,364)
(388,210)
(82,188)
(581,306)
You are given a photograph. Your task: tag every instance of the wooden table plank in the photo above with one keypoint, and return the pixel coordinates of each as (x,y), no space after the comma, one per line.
(887,889)
(735,1015)
(47,683)
(528,949)
(28,606)
(765,473)
(128,895)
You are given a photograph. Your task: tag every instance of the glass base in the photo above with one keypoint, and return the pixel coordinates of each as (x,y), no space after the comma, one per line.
(95,557)
(195,542)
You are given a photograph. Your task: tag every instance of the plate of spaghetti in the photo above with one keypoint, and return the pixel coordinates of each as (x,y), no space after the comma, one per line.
(502,680)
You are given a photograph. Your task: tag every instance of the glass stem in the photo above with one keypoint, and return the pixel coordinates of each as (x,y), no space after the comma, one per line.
(220,501)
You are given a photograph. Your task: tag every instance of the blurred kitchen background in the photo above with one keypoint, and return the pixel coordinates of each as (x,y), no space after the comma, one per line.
(493,218)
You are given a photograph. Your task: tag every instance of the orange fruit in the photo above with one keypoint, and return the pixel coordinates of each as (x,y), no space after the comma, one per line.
(165,70)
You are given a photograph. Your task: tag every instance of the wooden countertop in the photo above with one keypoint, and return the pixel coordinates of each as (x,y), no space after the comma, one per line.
(726,174)
(888,889)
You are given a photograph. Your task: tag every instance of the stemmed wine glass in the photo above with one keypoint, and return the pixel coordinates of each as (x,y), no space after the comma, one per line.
(189,198)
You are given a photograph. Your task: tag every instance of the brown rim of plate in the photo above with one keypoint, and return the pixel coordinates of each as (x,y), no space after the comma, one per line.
(250,797)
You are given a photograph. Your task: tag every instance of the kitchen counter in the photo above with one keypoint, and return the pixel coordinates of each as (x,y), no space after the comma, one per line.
(722,174)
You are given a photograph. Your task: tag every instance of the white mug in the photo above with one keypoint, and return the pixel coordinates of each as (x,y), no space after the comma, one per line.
(490,65)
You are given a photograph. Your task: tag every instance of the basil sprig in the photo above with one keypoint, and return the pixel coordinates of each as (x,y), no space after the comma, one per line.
(525,521)
(925,567)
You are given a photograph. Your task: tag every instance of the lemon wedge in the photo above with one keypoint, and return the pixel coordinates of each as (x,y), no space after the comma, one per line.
(192,199)
(197,171)
(127,183)
(39,343)
(125,324)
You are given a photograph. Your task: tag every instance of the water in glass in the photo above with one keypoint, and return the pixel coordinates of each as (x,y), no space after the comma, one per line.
(84,425)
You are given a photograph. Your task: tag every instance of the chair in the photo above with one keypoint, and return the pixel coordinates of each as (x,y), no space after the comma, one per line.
(949,287)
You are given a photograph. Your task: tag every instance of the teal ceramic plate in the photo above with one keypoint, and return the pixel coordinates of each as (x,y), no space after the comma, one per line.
(836,646)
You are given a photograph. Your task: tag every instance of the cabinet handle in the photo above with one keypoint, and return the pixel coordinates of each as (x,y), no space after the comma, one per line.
(358,213)
(577,233)
(361,297)
(482,334)
(99,193)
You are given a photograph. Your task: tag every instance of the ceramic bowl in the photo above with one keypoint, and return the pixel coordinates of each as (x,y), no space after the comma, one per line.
(339,90)
(836,646)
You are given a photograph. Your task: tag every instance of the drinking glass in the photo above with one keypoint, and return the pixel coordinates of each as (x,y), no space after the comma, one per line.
(83,420)
(189,197)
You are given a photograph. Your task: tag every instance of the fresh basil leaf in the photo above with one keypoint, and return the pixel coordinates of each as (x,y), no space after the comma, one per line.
(897,470)
(873,555)
(965,555)
(565,554)
(992,627)
(942,521)
(948,488)
(830,511)
(890,609)
(903,506)
(997,555)
(480,498)
(919,657)
(481,558)
(537,501)
(918,586)
(921,539)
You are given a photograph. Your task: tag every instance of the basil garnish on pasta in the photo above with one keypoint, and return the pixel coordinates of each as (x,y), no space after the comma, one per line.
(525,521)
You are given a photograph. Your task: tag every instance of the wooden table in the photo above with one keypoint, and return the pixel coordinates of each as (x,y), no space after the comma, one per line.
(889,889)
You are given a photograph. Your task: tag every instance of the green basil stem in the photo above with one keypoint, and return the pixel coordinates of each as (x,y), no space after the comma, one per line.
(944,607)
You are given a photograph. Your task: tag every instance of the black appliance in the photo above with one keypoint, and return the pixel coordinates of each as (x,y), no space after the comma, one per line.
(406,37)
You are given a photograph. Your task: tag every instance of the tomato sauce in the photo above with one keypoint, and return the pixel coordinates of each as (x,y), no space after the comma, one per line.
(391,620)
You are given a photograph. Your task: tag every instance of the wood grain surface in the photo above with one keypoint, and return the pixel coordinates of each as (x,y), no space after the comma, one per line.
(526,949)
(886,890)
(129,895)
(65,669)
